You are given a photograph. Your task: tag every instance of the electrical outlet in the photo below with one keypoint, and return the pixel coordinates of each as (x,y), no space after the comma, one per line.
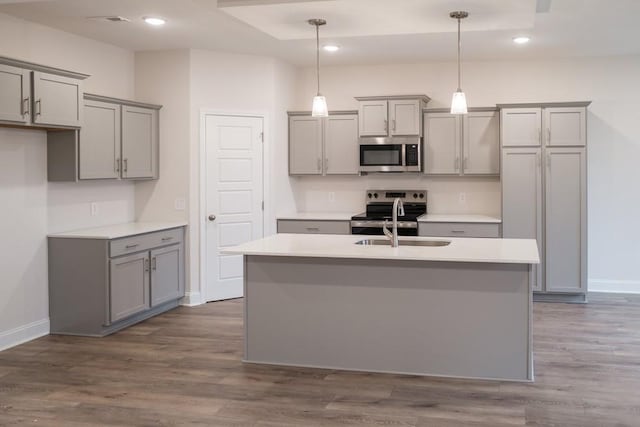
(94,209)
(462,198)
(332,196)
(179,204)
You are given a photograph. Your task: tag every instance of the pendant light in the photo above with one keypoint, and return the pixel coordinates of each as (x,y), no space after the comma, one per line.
(459,100)
(319,108)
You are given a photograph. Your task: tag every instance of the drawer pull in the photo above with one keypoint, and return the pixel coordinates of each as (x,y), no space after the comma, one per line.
(313,229)
(166,239)
(457,231)
(132,246)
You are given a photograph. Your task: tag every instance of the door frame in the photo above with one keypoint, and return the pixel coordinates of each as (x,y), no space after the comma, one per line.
(202,197)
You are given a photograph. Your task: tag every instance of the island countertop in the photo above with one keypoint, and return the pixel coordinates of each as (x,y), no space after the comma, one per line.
(510,251)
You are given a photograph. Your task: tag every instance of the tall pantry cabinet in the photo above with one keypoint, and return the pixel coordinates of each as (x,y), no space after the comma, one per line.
(544,192)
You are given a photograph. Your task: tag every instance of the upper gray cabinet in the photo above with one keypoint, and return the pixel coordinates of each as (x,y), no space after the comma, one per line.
(521,127)
(323,146)
(15,94)
(39,96)
(118,140)
(139,142)
(565,126)
(462,144)
(383,116)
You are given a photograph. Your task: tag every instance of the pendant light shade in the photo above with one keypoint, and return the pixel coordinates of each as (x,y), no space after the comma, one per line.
(319,108)
(459,100)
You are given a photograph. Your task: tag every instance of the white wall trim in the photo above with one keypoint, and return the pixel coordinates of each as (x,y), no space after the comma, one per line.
(266,182)
(24,333)
(191,299)
(615,286)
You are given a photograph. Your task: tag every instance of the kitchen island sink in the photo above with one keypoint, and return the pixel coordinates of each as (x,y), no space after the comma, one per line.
(341,302)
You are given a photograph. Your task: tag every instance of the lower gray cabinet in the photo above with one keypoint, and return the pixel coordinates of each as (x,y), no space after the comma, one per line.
(128,285)
(296,226)
(99,286)
(459,229)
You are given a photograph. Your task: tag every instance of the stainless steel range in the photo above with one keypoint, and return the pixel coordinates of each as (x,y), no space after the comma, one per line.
(380,207)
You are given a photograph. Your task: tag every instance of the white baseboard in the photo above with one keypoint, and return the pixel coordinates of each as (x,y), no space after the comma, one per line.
(24,333)
(191,299)
(615,286)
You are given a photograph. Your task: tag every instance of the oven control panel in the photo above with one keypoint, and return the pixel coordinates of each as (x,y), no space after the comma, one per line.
(391,195)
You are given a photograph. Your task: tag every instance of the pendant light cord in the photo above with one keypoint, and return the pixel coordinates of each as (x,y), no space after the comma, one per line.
(318,56)
(459,44)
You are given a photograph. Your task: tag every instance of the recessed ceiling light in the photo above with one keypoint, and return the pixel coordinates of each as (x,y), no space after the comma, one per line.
(331,47)
(521,40)
(154,20)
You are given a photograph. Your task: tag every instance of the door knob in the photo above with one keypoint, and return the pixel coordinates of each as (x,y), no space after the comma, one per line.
(212,217)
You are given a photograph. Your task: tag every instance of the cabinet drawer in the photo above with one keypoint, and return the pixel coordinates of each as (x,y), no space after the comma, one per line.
(458,229)
(143,242)
(314,227)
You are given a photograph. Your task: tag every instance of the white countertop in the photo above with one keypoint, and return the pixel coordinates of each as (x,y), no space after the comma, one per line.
(118,230)
(512,251)
(319,216)
(459,218)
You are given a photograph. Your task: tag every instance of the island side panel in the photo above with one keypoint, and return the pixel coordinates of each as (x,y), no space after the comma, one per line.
(416,317)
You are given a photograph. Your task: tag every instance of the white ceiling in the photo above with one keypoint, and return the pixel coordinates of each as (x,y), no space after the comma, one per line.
(383,31)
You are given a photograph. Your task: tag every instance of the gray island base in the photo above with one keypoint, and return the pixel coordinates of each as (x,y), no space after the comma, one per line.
(458,309)
(435,318)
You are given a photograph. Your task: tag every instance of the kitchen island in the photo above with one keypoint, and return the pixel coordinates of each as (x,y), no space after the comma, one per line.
(459,310)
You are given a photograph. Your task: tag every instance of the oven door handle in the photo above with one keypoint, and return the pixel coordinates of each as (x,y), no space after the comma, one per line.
(379,224)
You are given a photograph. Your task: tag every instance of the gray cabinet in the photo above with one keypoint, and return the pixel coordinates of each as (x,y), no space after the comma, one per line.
(139,142)
(522,199)
(323,146)
(462,145)
(459,229)
(118,140)
(128,286)
(15,94)
(34,95)
(296,226)
(544,193)
(566,220)
(99,141)
(98,286)
(391,115)
(57,100)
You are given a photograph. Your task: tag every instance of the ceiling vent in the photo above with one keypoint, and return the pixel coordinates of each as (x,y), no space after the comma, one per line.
(109,18)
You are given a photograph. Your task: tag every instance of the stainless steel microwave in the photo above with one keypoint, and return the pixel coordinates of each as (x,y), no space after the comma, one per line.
(397,154)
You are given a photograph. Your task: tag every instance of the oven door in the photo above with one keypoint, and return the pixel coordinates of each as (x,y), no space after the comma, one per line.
(382,157)
(374,228)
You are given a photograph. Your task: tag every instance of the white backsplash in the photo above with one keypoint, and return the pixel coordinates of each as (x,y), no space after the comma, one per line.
(347,194)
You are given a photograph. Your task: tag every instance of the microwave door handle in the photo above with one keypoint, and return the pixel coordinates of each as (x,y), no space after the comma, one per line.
(404,154)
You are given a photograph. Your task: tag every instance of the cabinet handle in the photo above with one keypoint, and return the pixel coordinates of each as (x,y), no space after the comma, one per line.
(326,164)
(117,164)
(457,163)
(540,135)
(465,162)
(153,263)
(319,165)
(39,107)
(132,246)
(548,136)
(549,162)
(386,126)
(25,106)
(457,231)
(393,125)
(126,165)
(146,264)
(166,239)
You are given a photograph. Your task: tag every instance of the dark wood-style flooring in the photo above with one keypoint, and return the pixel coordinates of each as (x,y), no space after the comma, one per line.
(183,368)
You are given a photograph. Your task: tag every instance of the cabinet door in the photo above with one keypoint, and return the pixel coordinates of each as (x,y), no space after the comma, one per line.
(15,92)
(341,152)
(442,144)
(100,141)
(565,126)
(481,149)
(167,274)
(373,118)
(566,221)
(522,199)
(405,117)
(139,142)
(521,127)
(129,285)
(57,100)
(305,145)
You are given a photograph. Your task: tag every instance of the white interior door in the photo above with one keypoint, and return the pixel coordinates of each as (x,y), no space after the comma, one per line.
(234,192)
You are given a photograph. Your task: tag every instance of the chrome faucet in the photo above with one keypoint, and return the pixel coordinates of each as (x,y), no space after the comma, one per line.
(398,209)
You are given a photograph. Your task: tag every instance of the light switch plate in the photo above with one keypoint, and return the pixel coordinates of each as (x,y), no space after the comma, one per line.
(179,204)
